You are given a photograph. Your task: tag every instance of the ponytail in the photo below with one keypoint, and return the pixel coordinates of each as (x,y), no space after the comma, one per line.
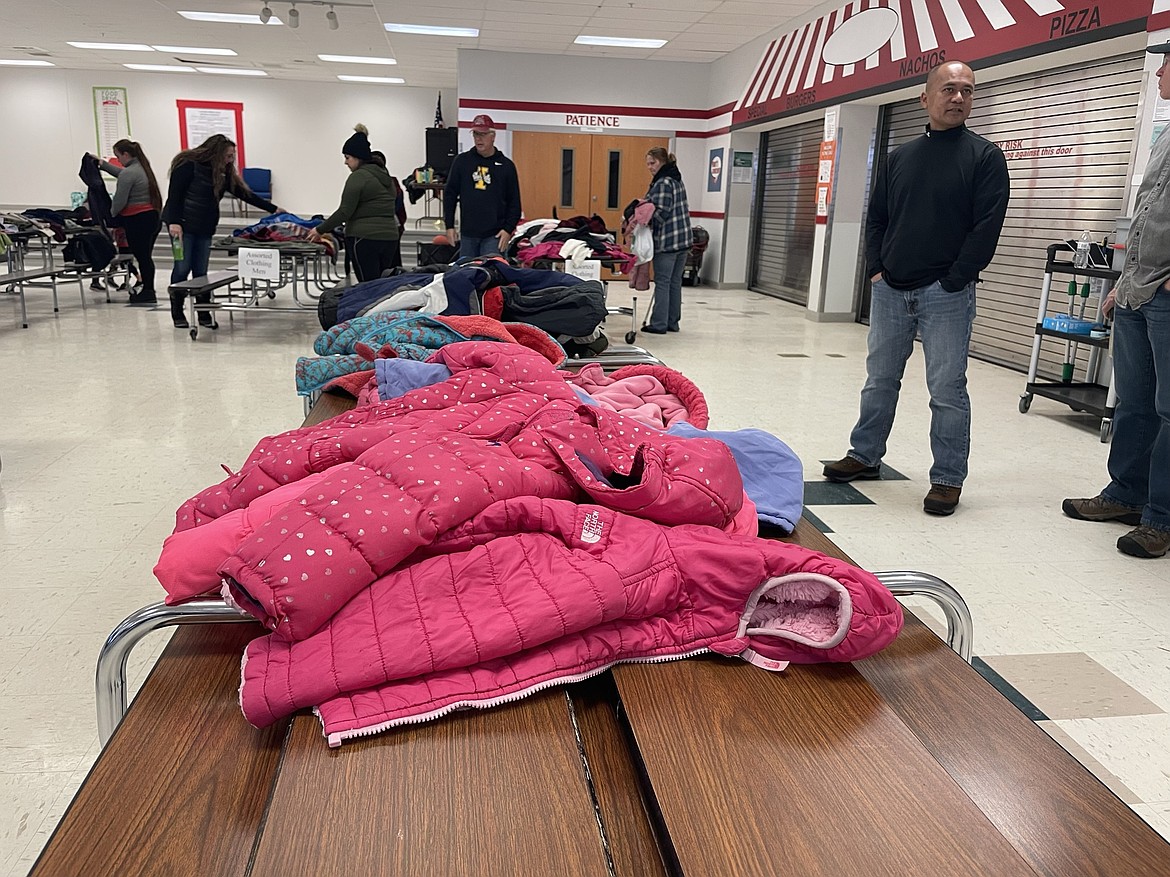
(659,154)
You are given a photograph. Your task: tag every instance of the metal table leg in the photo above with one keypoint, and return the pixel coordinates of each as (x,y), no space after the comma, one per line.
(111,663)
(907,583)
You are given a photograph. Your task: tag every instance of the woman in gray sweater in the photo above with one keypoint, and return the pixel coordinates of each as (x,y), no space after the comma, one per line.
(136,208)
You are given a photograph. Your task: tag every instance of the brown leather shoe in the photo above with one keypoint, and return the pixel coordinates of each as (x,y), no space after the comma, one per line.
(1144,542)
(941,500)
(847,469)
(1098,508)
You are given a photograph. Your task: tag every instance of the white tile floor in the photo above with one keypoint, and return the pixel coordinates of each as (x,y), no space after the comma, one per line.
(111,418)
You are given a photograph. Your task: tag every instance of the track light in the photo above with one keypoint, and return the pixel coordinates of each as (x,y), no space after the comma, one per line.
(265,14)
(331,17)
(294,17)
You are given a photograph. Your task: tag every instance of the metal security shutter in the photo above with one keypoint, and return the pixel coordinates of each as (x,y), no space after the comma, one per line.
(1069,168)
(786,213)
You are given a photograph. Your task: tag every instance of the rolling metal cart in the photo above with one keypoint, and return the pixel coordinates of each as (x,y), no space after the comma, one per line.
(1090,395)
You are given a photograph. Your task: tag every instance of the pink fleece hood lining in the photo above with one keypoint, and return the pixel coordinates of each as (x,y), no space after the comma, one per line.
(806,608)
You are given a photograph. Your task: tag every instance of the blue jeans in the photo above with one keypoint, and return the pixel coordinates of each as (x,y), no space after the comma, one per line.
(944,320)
(473,248)
(668,272)
(1139,458)
(196,255)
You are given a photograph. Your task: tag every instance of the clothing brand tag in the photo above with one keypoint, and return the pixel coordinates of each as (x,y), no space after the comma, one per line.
(591,528)
(757,660)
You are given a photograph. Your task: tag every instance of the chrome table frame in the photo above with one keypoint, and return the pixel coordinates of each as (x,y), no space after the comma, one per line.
(111,664)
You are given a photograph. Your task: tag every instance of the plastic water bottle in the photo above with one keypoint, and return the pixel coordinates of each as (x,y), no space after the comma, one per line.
(1081,259)
(177,248)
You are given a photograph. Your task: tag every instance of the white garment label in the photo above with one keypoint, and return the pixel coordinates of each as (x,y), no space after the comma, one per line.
(591,528)
(259,264)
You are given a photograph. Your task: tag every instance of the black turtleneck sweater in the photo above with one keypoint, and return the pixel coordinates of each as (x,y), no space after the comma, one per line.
(936,210)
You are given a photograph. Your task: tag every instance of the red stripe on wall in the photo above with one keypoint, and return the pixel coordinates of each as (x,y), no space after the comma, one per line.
(707,214)
(596,109)
(1158,20)
(703,135)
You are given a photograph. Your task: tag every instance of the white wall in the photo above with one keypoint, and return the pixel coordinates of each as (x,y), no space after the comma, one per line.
(294,128)
(581,79)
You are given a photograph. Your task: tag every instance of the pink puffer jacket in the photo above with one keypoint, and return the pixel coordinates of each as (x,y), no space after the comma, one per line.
(318,552)
(531,593)
(493,390)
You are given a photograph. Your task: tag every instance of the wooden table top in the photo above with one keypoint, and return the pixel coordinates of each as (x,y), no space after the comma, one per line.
(907,763)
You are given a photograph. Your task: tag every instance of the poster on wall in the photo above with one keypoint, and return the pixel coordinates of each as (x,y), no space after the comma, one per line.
(715,170)
(111,118)
(199,119)
(741,167)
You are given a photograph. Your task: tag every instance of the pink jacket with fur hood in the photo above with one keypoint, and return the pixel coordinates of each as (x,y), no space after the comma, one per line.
(532,593)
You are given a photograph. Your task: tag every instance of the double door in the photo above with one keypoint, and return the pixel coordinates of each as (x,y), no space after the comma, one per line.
(574,174)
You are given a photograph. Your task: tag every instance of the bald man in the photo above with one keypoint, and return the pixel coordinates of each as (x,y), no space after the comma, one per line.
(935,216)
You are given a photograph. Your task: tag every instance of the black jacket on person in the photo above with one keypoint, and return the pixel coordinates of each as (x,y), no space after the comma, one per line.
(192,202)
(936,210)
(487,191)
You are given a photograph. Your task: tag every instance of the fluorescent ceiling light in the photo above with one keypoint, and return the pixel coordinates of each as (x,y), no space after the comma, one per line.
(25,63)
(392,80)
(191,50)
(232,71)
(432,30)
(113,47)
(161,68)
(229,17)
(356,59)
(625,42)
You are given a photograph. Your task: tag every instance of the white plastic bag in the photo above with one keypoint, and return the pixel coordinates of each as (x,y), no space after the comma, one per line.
(642,245)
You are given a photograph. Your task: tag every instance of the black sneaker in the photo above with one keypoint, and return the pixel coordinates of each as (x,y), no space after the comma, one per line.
(847,469)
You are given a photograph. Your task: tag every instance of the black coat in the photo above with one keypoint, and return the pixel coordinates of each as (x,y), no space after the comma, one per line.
(192,201)
(99,198)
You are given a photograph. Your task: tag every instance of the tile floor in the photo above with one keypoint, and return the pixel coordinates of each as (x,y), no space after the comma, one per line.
(112,418)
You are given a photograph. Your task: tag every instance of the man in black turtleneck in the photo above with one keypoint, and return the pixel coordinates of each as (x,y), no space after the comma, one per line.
(934,220)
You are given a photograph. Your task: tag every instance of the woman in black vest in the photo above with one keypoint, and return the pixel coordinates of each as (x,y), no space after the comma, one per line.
(199,178)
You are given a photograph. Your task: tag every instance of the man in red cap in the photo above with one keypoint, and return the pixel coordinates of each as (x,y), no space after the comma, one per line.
(483,182)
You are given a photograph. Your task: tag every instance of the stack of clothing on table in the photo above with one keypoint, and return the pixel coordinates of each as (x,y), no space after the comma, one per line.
(486,534)
(559,303)
(576,238)
(349,352)
(279,228)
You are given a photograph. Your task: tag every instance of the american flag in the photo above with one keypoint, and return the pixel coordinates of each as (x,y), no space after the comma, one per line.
(439,111)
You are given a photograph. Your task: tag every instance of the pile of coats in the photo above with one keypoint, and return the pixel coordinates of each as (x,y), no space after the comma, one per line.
(489,528)
(558,303)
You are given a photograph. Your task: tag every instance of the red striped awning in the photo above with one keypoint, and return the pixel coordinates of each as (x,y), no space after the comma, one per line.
(867,45)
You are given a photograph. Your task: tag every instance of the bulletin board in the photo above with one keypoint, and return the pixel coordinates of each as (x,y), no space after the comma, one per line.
(199,119)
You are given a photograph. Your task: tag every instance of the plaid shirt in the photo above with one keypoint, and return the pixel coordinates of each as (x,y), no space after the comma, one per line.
(671,224)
